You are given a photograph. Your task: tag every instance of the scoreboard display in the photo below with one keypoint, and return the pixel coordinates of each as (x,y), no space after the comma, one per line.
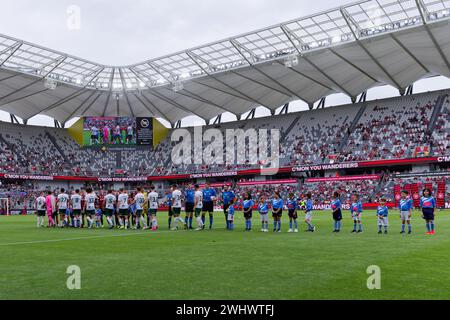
(118,132)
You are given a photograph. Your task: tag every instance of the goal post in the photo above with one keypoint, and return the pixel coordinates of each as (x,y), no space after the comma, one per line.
(4,206)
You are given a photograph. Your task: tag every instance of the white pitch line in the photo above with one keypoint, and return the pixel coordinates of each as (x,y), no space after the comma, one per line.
(82,238)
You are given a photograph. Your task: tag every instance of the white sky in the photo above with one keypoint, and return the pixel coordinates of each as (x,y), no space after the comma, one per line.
(119,32)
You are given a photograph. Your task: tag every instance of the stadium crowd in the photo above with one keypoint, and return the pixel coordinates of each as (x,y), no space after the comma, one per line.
(387,129)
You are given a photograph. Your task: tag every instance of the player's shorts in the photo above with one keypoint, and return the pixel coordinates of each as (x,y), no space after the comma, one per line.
(198,212)
(94,137)
(41,213)
(170,211)
(264,217)
(293,214)
(152,212)
(62,211)
(138,212)
(405,215)
(428,213)
(76,212)
(383,221)
(277,215)
(176,211)
(109,212)
(308,215)
(129,137)
(248,214)
(337,215)
(356,216)
(225,208)
(189,207)
(208,207)
(230,217)
(90,212)
(124,212)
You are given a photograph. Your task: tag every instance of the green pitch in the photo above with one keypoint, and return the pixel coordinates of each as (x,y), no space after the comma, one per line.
(225,265)
(87,139)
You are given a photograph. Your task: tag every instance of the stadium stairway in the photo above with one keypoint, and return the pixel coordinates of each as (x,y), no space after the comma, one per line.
(288,130)
(57,147)
(352,127)
(437,110)
(119,160)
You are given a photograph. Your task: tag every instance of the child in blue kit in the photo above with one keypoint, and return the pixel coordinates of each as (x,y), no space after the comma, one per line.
(382,214)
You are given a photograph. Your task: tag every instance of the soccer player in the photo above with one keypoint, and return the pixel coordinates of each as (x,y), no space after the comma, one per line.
(336,207)
(198,204)
(291,204)
(124,213)
(94,135)
(105,134)
(263,209)
(209,197)
(176,208)
(189,205)
(110,204)
(117,136)
(227,196)
(356,210)
(153,207)
(428,205)
(382,214)
(277,211)
(230,217)
(169,203)
(50,204)
(406,206)
(90,202)
(75,203)
(40,209)
(129,138)
(308,213)
(63,201)
(139,200)
(248,211)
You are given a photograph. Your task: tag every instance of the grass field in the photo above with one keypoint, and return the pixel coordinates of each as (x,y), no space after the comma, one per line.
(87,139)
(225,265)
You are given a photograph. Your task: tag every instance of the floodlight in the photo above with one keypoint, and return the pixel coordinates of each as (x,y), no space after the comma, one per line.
(291,61)
(50,84)
(178,86)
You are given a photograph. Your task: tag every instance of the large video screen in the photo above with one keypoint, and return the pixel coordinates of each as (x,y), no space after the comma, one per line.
(117,131)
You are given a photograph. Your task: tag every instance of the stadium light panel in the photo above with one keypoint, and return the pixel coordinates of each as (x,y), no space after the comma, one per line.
(178,86)
(50,84)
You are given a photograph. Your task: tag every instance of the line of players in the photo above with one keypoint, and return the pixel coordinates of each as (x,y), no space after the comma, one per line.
(140,212)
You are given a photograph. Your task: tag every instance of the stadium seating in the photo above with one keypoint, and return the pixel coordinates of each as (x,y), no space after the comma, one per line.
(386,129)
(391,129)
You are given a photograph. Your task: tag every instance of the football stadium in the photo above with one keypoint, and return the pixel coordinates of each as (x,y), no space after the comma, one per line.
(197,176)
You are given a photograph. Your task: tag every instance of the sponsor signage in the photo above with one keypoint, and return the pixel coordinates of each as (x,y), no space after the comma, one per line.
(144,131)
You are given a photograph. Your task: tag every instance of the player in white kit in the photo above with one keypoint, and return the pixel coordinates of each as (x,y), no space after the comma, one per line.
(90,200)
(139,200)
(62,204)
(110,203)
(75,204)
(124,206)
(176,208)
(153,207)
(40,206)
(198,205)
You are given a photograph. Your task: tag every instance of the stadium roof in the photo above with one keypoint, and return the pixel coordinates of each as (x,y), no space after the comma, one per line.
(344,50)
